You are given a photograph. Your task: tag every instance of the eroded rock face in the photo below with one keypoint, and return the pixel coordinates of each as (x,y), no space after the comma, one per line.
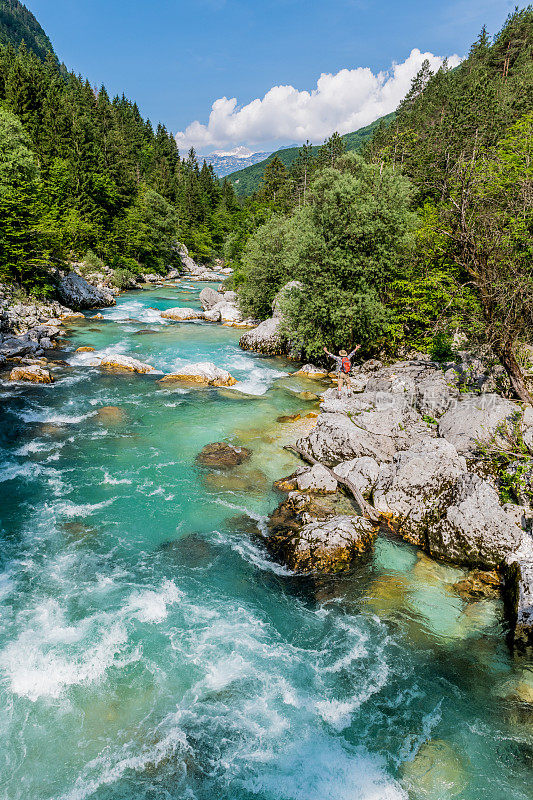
(222,455)
(204,372)
(75,292)
(469,526)
(119,363)
(519,600)
(309,538)
(480,419)
(267,337)
(32,373)
(363,472)
(411,484)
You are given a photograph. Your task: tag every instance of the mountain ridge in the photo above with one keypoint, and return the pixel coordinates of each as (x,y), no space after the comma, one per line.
(18,25)
(247,180)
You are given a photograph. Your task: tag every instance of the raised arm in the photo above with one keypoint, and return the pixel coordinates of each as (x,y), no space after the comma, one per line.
(354,351)
(328,353)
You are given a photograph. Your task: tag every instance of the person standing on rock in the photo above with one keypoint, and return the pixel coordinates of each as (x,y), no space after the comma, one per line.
(343,366)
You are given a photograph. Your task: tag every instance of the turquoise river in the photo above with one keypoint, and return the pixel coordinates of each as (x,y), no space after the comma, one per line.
(149,648)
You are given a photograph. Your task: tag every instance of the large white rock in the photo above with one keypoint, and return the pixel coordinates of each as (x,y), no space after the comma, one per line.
(316,479)
(469,526)
(479,419)
(122,363)
(363,472)
(181,314)
(410,485)
(203,372)
(75,292)
(209,298)
(229,311)
(265,339)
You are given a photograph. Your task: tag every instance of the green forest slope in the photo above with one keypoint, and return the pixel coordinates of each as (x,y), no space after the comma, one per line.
(18,25)
(248,180)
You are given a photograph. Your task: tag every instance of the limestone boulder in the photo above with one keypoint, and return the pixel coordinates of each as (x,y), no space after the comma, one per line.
(409,486)
(307,538)
(32,373)
(181,314)
(204,372)
(316,479)
(209,298)
(266,338)
(363,472)
(120,363)
(485,419)
(469,526)
(75,292)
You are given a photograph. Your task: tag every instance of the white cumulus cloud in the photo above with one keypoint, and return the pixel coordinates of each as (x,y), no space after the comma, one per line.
(342,102)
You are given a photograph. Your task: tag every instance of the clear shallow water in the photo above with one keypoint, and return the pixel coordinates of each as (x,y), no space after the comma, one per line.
(148,647)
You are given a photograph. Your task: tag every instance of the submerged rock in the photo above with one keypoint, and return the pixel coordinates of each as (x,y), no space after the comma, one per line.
(478,584)
(31,373)
(110,415)
(437,772)
(119,363)
(75,292)
(85,350)
(222,455)
(204,372)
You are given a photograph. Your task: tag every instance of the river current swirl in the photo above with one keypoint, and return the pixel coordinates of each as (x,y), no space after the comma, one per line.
(149,649)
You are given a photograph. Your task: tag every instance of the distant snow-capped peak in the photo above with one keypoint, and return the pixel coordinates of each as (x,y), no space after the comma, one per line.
(238,152)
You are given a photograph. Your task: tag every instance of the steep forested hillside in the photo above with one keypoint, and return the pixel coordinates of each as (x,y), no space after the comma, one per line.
(18,25)
(427,238)
(248,180)
(82,172)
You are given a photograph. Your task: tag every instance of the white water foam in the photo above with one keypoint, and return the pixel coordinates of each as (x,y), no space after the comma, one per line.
(152,606)
(37,664)
(115,481)
(134,309)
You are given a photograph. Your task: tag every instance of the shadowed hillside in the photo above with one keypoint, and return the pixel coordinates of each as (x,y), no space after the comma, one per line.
(18,25)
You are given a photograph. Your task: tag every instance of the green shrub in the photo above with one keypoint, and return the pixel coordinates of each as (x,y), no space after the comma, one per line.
(92,262)
(441,347)
(122,278)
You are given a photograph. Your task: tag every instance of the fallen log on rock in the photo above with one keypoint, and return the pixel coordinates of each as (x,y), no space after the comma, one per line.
(366,509)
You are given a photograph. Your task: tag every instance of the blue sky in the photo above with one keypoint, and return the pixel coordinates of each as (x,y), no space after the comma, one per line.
(176,58)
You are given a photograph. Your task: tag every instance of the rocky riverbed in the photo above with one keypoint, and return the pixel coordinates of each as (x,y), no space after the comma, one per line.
(420,449)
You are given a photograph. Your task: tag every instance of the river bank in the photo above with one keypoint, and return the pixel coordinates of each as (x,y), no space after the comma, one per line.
(150,645)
